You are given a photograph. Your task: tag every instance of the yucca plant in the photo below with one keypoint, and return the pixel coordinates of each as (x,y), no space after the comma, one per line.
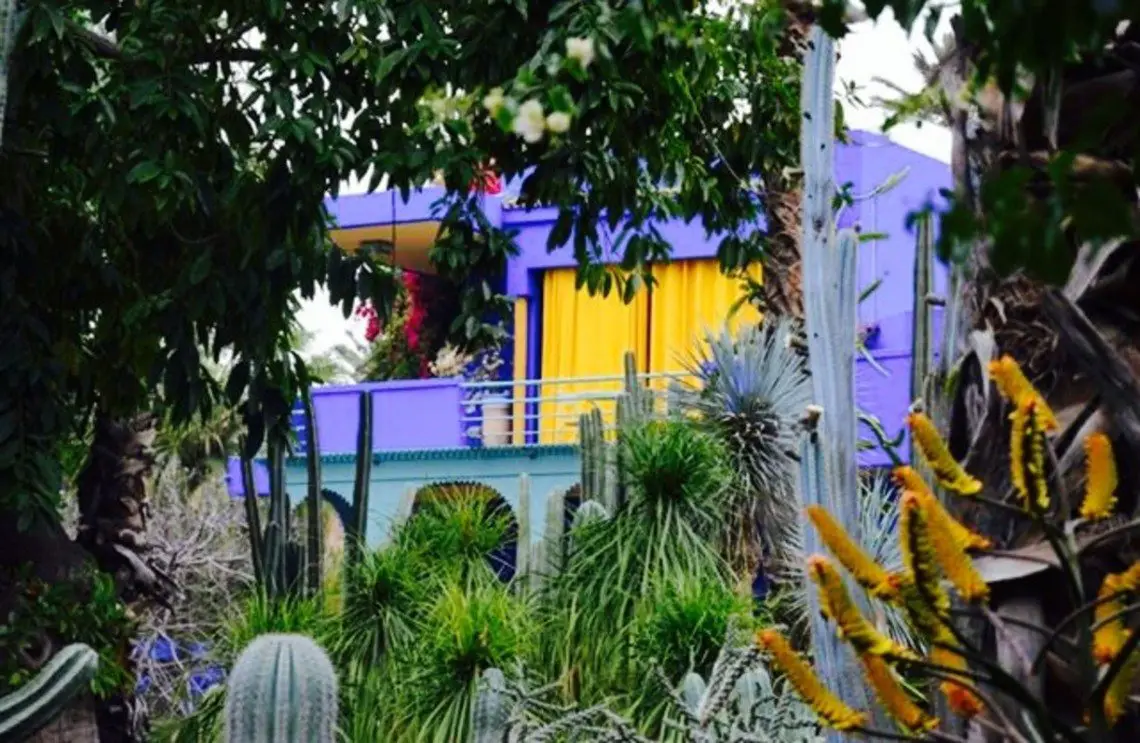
(1093,644)
(467,629)
(463,533)
(750,390)
(390,589)
(677,480)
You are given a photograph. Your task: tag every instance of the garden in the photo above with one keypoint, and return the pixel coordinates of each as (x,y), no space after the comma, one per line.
(723,570)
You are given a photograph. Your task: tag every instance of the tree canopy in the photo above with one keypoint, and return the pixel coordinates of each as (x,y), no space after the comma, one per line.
(166,165)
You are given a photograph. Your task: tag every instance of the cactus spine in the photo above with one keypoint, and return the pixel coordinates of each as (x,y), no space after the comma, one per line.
(48,693)
(491,717)
(282,688)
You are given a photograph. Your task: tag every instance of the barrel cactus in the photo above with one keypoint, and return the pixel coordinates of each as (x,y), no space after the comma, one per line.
(282,688)
(48,693)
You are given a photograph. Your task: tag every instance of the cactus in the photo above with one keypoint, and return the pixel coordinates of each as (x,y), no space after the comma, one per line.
(356,531)
(592,445)
(48,693)
(554,537)
(639,396)
(588,513)
(537,564)
(491,716)
(313,525)
(282,688)
(523,562)
(827,461)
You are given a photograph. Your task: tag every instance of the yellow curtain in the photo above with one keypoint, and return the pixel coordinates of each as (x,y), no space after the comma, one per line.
(584,336)
(689,298)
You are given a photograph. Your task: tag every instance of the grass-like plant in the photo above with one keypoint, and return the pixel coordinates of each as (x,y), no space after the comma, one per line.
(1094,642)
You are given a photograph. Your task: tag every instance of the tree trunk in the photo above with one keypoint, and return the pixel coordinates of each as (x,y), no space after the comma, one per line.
(1046,330)
(77,724)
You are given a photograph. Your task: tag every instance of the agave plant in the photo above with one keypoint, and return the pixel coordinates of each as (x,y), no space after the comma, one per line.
(750,391)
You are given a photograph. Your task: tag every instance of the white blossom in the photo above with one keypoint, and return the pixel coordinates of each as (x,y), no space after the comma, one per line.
(558,122)
(494,100)
(530,122)
(581,49)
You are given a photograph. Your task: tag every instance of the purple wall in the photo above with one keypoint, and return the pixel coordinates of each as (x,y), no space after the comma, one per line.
(406,414)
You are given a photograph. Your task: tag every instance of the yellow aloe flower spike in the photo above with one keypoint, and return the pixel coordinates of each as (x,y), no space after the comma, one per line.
(959,692)
(1013,386)
(1027,455)
(866,572)
(1111,632)
(1120,689)
(894,698)
(1101,479)
(906,478)
(951,556)
(851,625)
(947,471)
(918,612)
(919,557)
(828,707)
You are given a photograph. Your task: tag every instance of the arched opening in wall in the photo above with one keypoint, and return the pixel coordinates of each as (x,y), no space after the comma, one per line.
(503,558)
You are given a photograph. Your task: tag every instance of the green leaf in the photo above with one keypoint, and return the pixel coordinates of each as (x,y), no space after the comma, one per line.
(144,172)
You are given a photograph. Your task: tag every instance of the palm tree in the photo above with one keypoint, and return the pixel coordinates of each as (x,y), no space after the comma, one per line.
(1080,345)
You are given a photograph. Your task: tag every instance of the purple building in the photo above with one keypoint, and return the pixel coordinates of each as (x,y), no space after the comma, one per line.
(567,348)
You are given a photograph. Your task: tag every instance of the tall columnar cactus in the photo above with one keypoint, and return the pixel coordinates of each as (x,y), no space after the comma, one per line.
(828,467)
(358,529)
(48,693)
(491,716)
(313,525)
(592,445)
(554,535)
(639,395)
(281,564)
(522,543)
(282,688)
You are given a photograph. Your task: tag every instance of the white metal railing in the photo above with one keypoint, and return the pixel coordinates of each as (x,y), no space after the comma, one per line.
(546,411)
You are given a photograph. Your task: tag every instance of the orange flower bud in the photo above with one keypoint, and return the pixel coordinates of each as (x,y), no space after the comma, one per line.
(831,711)
(946,469)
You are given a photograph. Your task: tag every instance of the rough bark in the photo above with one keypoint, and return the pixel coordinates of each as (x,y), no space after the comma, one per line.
(1079,347)
(77,724)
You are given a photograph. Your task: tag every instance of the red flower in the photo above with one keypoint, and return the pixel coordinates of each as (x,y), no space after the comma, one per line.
(487,181)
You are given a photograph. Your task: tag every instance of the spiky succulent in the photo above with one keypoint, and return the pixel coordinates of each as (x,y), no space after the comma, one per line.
(751,390)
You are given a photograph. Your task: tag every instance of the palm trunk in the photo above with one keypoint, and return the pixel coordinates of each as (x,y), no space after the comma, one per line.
(77,724)
(1063,350)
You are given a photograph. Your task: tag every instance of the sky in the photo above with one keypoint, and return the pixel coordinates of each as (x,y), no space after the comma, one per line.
(881,49)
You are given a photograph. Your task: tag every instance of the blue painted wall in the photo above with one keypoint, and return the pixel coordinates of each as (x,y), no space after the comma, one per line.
(395,473)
